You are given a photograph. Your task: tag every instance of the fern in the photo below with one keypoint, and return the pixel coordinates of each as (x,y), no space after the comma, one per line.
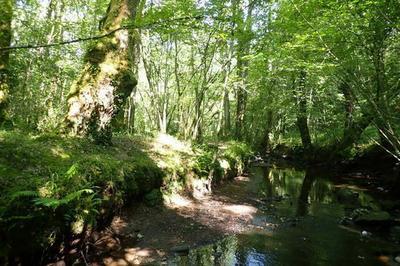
(73,170)
(77,194)
(24,194)
(55,203)
(48,202)
(18,218)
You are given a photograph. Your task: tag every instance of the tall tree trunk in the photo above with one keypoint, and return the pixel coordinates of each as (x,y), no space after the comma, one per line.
(348,104)
(353,128)
(244,38)
(302,118)
(6,11)
(226,114)
(106,79)
(266,141)
(130,108)
(226,103)
(353,133)
(197,128)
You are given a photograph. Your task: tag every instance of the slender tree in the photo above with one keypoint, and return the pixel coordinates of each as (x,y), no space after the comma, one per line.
(6,11)
(244,33)
(301,114)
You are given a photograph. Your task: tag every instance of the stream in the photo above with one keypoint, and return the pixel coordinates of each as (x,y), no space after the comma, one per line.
(307,218)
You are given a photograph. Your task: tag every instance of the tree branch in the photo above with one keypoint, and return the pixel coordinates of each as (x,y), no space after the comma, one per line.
(96,37)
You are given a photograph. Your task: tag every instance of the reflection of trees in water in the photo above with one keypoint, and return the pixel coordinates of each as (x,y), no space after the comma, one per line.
(283,182)
(222,252)
(225,251)
(299,185)
(302,203)
(267,185)
(314,189)
(321,191)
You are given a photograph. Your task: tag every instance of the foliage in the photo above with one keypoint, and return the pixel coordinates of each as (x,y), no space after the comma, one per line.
(63,186)
(66,185)
(206,69)
(318,79)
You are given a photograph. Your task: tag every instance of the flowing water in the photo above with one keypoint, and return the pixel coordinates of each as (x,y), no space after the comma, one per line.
(304,219)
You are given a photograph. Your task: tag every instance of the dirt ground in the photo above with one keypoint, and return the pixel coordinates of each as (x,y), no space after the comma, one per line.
(150,234)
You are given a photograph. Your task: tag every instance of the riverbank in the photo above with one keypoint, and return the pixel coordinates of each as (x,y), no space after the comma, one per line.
(147,199)
(270,216)
(56,191)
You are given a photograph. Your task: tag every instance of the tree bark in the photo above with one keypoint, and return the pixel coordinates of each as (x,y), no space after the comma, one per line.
(348,105)
(266,142)
(226,114)
(302,119)
(6,11)
(107,78)
(226,128)
(353,133)
(243,40)
(353,128)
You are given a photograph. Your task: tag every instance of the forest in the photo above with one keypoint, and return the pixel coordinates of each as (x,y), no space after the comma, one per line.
(199,132)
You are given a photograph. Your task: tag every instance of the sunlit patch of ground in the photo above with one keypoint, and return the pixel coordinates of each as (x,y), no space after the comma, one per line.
(133,256)
(352,187)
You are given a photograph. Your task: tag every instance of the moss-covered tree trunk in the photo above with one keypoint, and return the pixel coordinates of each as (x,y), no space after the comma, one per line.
(6,10)
(107,78)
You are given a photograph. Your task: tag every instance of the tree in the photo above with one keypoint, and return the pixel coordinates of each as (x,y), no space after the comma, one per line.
(301,114)
(107,78)
(244,36)
(6,11)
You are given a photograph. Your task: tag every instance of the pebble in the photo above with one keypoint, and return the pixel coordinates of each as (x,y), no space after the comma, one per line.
(397,259)
(364,233)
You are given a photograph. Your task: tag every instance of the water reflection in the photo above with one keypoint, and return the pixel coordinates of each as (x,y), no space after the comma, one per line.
(316,203)
(222,252)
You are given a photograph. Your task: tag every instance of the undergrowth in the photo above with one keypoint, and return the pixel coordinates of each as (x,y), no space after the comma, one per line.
(54,189)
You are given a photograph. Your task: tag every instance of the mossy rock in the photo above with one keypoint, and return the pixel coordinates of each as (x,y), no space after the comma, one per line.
(373,218)
(153,198)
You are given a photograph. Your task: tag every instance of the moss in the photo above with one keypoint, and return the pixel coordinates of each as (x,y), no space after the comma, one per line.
(50,184)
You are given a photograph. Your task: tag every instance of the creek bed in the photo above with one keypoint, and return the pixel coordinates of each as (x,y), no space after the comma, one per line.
(307,218)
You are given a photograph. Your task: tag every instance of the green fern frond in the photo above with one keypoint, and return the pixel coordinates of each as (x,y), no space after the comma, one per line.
(55,203)
(77,194)
(24,194)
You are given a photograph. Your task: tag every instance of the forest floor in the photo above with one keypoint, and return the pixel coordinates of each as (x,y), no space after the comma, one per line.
(147,234)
